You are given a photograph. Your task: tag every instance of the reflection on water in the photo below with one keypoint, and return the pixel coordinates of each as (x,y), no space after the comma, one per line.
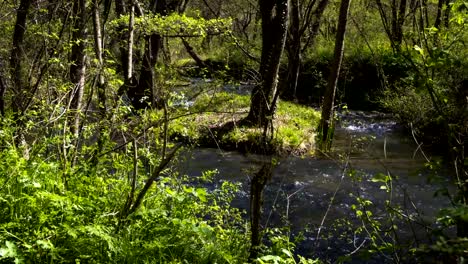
(301,188)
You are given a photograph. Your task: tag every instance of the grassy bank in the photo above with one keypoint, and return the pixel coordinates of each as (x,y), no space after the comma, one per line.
(294,125)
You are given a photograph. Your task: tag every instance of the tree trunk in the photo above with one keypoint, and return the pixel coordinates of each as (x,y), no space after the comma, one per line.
(293,49)
(146,87)
(326,126)
(294,67)
(131,31)
(120,10)
(101,89)
(441,5)
(447,13)
(274,28)
(400,22)
(2,93)
(20,89)
(199,61)
(394,28)
(78,61)
(257,185)
(315,24)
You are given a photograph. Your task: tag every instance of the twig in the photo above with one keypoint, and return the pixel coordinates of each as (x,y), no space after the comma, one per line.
(417,143)
(288,198)
(152,179)
(317,238)
(356,248)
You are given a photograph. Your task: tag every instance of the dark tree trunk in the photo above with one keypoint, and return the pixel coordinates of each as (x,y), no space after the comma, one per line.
(447,14)
(394,27)
(438,18)
(293,49)
(326,123)
(315,24)
(257,185)
(78,61)
(199,61)
(20,89)
(400,22)
(146,87)
(294,68)
(274,27)
(121,10)
(298,25)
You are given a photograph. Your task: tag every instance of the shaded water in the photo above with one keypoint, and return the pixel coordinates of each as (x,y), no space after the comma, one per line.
(300,191)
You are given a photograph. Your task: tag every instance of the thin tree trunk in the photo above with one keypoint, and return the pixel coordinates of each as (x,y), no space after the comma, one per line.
(298,26)
(394,21)
(274,28)
(400,21)
(98,43)
(447,13)
(101,82)
(326,126)
(315,26)
(120,10)
(130,43)
(20,89)
(385,23)
(78,62)
(394,27)
(294,67)
(438,18)
(199,61)
(145,87)
(2,93)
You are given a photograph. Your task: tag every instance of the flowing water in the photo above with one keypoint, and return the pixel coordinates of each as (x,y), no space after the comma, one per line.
(301,189)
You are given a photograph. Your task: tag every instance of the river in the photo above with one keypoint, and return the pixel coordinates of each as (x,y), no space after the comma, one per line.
(301,189)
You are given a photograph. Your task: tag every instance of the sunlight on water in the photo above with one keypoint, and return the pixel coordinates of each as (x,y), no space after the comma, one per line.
(303,187)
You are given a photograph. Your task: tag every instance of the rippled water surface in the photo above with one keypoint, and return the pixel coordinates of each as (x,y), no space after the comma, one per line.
(301,189)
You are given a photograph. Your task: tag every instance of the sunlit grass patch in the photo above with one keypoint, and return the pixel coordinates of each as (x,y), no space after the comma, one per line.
(294,124)
(295,127)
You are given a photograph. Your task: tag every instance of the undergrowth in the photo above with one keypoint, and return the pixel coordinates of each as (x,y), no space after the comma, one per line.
(43,220)
(63,198)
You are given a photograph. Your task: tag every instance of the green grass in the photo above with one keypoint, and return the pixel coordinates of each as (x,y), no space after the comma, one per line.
(294,125)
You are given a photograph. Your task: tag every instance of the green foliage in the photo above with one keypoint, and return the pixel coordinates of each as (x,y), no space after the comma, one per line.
(430,95)
(380,225)
(281,250)
(42,219)
(176,25)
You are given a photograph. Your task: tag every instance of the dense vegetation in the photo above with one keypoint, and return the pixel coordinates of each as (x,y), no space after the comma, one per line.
(98,98)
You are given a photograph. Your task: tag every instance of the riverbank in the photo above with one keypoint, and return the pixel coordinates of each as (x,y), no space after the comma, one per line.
(214,122)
